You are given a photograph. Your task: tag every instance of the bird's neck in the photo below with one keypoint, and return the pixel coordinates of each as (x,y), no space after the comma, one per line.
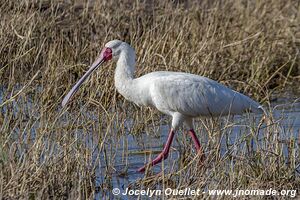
(124,73)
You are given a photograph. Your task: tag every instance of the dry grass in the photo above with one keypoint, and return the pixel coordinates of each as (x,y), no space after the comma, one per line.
(46,152)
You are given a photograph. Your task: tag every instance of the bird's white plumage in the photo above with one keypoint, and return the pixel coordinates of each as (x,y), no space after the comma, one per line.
(181,95)
(193,95)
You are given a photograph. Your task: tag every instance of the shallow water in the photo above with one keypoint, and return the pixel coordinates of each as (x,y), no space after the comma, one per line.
(123,154)
(288,115)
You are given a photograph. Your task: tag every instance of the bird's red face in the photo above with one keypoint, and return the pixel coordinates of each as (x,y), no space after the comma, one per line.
(106,53)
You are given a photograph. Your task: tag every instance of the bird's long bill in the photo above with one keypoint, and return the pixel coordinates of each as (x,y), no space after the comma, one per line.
(94,66)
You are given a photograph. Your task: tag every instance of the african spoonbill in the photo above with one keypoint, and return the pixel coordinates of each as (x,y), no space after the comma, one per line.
(183,96)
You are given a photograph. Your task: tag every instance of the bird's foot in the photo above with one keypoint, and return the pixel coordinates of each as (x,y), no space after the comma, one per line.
(142,169)
(163,155)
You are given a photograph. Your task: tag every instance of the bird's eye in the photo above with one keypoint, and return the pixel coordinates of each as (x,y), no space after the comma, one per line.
(108,50)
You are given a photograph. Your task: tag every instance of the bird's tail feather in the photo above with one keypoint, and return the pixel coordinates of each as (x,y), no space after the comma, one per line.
(263,110)
(276,111)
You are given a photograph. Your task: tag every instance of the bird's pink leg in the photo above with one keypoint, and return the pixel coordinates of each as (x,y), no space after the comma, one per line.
(163,154)
(197,144)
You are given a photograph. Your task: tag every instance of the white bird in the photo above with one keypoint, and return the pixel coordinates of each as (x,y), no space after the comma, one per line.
(183,96)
